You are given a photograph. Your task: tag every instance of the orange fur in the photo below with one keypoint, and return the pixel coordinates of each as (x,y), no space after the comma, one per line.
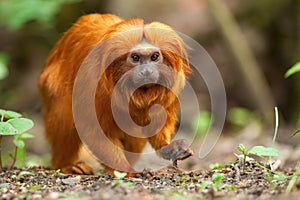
(58,76)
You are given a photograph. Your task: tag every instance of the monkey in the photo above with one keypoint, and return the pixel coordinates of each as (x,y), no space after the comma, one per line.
(149,63)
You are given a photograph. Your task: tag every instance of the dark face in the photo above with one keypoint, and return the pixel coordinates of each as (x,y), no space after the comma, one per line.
(143,68)
(146,59)
(144,75)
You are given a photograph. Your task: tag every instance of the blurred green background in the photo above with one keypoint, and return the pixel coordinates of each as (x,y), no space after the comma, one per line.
(270,29)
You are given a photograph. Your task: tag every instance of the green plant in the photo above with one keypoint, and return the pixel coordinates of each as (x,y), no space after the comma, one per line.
(294,179)
(3,65)
(201,123)
(55,172)
(260,151)
(182,182)
(16,13)
(217,179)
(215,166)
(293,70)
(13,124)
(120,176)
(275,178)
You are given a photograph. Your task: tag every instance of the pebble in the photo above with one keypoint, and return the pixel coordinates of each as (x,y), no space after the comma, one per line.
(71,180)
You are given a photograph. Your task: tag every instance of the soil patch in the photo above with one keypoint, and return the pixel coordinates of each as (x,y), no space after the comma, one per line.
(256,182)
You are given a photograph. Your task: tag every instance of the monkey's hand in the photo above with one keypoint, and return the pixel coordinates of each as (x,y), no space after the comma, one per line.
(177,150)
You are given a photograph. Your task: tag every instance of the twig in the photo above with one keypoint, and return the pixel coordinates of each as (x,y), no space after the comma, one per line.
(238,173)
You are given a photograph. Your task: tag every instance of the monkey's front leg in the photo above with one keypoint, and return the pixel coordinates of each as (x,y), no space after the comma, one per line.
(175,150)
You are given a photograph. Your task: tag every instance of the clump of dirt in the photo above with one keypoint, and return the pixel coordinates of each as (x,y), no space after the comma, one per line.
(256,182)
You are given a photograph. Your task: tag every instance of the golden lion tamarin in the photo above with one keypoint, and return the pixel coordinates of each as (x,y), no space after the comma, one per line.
(136,59)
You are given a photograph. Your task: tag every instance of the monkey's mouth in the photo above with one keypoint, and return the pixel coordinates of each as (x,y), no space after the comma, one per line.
(147,86)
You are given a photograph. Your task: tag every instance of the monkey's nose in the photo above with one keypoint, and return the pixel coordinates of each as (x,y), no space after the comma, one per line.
(146,72)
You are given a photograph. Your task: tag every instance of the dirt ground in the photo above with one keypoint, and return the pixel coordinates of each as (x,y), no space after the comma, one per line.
(168,183)
(192,180)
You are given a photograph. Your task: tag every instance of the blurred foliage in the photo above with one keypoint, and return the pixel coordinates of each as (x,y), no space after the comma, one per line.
(13,124)
(262,13)
(201,123)
(240,117)
(16,13)
(3,65)
(294,69)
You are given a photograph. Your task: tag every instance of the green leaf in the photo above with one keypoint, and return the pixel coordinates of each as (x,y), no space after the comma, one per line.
(241,148)
(217,178)
(3,66)
(120,175)
(9,114)
(18,142)
(18,139)
(215,166)
(26,136)
(55,172)
(34,187)
(294,69)
(263,151)
(127,184)
(21,124)
(231,187)
(216,187)
(7,129)
(204,184)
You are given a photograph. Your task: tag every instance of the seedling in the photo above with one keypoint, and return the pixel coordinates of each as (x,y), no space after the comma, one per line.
(215,166)
(13,124)
(120,176)
(293,70)
(261,151)
(294,179)
(55,172)
(216,181)
(182,182)
(275,178)
(34,187)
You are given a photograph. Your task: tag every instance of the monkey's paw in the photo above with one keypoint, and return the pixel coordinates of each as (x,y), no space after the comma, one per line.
(78,168)
(177,150)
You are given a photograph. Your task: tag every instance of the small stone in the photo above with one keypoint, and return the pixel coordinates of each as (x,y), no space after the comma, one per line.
(71,180)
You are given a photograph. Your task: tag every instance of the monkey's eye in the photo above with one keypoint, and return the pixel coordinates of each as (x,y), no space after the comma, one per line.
(155,57)
(135,58)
